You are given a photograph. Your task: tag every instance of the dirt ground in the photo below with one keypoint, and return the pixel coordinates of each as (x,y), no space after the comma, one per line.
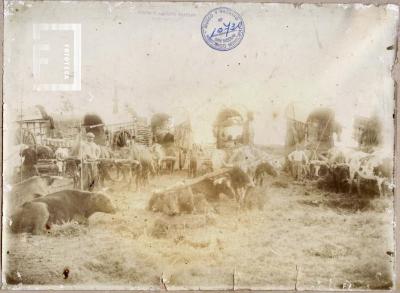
(292,236)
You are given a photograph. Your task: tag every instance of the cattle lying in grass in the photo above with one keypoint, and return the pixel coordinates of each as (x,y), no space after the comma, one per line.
(184,196)
(233,183)
(190,198)
(39,214)
(172,203)
(27,190)
(212,188)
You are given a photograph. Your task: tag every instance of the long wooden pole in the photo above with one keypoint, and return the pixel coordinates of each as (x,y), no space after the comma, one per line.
(20,134)
(81,153)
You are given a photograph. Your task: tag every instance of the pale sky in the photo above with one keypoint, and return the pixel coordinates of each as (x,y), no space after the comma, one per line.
(153,55)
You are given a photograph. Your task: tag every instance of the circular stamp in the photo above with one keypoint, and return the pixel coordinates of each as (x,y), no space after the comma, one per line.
(222,29)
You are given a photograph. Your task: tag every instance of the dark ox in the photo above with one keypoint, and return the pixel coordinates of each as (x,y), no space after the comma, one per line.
(185,199)
(212,188)
(233,183)
(239,182)
(340,177)
(171,156)
(262,170)
(39,214)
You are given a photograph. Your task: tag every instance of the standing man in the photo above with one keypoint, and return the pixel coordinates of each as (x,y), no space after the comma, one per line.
(297,158)
(90,154)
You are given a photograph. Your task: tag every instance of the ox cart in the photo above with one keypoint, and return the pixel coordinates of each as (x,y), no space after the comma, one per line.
(47,167)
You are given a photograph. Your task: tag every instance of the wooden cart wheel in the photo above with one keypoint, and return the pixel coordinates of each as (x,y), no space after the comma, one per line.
(26,137)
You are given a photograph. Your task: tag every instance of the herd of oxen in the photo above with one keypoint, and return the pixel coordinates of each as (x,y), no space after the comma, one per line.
(347,170)
(31,207)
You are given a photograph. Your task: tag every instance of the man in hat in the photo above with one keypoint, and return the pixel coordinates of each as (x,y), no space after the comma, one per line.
(90,150)
(90,154)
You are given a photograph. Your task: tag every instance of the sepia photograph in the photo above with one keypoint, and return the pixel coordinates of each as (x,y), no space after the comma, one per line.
(198,146)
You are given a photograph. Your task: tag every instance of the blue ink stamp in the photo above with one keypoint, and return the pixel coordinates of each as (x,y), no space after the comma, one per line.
(222,29)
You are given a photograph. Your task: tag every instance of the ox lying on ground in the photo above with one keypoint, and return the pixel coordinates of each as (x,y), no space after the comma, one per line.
(234,183)
(186,198)
(212,188)
(57,208)
(173,203)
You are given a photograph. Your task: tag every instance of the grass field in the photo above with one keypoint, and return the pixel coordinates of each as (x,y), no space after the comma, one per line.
(293,236)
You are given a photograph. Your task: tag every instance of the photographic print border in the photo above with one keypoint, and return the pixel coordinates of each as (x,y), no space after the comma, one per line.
(396,78)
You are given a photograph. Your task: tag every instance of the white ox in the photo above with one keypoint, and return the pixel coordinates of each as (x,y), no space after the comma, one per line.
(349,156)
(375,166)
